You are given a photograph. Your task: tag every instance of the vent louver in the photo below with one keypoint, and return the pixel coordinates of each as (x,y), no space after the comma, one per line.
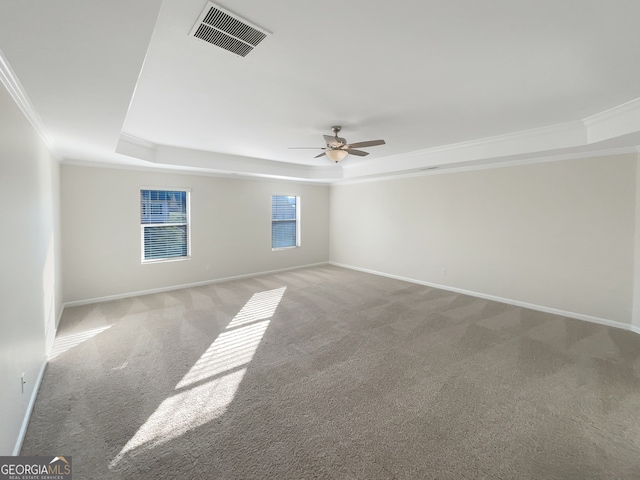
(226,30)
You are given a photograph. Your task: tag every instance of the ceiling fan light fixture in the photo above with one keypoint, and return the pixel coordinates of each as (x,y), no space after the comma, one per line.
(336,154)
(338,148)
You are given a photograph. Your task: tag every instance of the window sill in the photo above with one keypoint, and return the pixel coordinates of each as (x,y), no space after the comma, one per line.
(165,260)
(284,248)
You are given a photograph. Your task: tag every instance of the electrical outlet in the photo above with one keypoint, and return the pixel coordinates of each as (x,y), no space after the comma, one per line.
(22,382)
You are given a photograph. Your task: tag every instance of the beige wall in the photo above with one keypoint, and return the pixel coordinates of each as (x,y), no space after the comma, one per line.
(30,280)
(558,235)
(230,227)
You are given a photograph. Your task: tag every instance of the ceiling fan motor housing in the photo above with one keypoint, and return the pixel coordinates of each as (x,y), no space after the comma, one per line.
(342,141)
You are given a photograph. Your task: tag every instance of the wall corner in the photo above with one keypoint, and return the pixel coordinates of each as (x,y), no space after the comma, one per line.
(635,286)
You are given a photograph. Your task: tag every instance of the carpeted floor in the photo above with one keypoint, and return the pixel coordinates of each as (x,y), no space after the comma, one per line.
(331,373)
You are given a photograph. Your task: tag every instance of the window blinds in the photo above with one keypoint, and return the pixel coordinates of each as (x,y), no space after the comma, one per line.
(284,219)
(164,221)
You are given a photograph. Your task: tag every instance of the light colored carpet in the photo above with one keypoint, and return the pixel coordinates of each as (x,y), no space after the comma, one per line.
(331,373)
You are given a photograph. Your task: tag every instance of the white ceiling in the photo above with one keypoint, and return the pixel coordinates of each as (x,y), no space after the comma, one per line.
(451,84)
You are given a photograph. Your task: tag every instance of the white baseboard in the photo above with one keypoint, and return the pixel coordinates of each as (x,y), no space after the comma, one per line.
(517,303)
(179,287)
(27,415)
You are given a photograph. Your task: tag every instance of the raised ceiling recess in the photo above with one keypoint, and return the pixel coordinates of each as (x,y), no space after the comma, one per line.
(227,30)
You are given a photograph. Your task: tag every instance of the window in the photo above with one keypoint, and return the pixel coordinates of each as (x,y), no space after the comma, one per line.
(164,221)
(285,221)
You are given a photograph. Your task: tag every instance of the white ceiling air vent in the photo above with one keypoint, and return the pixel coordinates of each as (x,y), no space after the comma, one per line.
(226,30)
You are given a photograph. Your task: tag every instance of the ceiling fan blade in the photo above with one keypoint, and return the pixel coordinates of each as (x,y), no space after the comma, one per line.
(322,154)
(306,148)
(370,143)
(359,153)
(332,141)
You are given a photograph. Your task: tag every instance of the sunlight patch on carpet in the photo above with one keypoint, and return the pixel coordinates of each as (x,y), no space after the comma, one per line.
(211,384)
(67,342)
(261,306)
(232,349)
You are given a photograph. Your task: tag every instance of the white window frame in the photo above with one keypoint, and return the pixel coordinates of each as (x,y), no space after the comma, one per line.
(146,225)
(298,210)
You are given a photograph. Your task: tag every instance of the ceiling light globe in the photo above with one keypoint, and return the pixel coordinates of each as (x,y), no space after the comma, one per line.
(336,155)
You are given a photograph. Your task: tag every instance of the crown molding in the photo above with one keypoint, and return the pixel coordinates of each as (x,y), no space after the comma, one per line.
(17,92)
(533,143)
(195,171)
(614,122)
(500,141)
(613,112)
(217,163)
(136,147)
(241,165)
(498,163)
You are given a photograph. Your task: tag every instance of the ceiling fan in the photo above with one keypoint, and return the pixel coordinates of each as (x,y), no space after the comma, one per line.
(337,148)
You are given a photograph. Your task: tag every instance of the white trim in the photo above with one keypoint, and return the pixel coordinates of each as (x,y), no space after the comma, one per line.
(529,135)
(497,163)
(166,189)
(517,303)
(243,165)
(141,142)
(119,296)
(162,260)
(136,147)
(27,415)
(9,79)
(613,122)
(609,113)
(520,144)
(182,170)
